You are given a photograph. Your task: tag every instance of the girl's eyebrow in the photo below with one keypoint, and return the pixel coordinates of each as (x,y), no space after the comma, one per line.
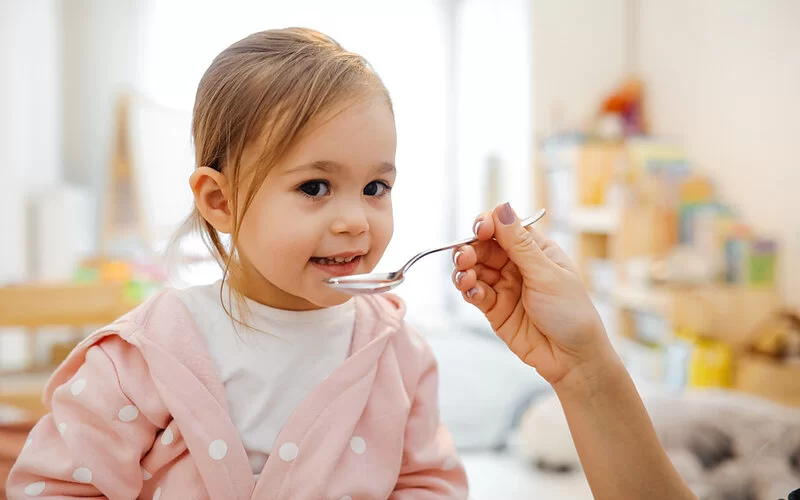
(330,167)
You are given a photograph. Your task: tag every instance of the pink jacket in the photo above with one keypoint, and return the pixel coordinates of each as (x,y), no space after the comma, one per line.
(137,411)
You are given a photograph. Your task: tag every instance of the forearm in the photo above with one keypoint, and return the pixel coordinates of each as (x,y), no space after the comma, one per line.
(616,442)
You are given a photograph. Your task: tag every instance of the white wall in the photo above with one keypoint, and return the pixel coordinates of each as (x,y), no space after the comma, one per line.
(30,128)
(578,56)
(723,76)
(99,48)
(30,132)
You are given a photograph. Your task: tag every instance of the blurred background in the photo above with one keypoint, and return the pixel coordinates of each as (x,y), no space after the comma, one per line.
(660,135)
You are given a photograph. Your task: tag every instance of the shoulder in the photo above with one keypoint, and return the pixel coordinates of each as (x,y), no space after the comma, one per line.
(161,319)
(170,315)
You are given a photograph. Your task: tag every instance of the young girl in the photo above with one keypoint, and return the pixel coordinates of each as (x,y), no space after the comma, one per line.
(268,384)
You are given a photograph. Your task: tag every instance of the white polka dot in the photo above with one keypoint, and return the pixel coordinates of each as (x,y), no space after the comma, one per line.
(450,463)
(27,443)
(82,475)
(35,489)
(358,445)
(146,475)
(128,413)
(62,428)
(157,494)
(217,449)
(288,452)
(167,436)
(78,386)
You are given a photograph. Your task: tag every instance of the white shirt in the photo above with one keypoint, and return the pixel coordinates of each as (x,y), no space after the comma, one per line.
(268,369)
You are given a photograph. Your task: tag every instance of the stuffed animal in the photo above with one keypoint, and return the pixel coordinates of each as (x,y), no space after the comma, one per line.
(726,445)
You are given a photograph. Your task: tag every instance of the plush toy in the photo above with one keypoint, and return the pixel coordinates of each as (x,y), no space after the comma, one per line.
(726,445)
(626,103)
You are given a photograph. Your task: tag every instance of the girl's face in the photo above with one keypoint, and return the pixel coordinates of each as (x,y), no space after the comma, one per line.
(324,210)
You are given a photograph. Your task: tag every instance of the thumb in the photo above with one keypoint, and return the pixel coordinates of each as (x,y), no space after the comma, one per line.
(517,241)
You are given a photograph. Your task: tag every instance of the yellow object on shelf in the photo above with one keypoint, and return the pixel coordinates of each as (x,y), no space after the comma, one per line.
(697,189)
(116,271)
(711,364)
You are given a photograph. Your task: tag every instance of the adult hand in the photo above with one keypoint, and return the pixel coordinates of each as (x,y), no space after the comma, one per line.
(532,295)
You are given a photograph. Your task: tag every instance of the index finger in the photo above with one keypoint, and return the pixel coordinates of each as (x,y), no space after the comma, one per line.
(488,253)
(483,227)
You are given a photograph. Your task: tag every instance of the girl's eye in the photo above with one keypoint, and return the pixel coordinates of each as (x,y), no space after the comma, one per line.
(377,188)
(315,189)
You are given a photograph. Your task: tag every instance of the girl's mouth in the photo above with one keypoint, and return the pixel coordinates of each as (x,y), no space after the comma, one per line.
(337,266)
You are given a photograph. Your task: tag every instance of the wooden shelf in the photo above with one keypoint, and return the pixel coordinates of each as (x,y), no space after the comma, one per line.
(612,233)
(24,392)
(594,220)
(723,312)
(31,306)
(649,299)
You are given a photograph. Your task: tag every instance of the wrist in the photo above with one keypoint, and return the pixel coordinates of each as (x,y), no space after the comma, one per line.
(602,372)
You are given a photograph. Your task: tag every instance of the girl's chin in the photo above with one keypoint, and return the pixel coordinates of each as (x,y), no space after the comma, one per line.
(333,298)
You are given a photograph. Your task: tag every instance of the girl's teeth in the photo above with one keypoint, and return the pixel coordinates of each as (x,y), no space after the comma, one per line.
(335,260)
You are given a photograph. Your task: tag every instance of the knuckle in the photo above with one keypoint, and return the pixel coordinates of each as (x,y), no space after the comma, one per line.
(523,240)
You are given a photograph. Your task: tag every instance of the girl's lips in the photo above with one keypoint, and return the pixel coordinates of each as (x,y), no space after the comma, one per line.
(342,269)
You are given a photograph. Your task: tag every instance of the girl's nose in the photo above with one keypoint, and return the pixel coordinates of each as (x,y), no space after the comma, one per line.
(352,220)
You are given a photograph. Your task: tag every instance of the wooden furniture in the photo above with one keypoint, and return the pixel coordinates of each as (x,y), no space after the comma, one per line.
(62,305)
(29,307)
(727,313)
(614,228)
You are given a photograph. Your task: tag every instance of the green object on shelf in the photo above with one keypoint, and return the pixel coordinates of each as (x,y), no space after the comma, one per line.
(138,291)
(86,275)
(761,268)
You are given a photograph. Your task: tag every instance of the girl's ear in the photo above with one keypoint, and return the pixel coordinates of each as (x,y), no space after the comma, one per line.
(212,198)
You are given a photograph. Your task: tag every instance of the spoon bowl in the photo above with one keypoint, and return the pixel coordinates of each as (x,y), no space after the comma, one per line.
(369,283)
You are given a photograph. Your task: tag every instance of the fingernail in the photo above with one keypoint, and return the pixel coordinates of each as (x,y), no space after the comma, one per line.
(477,226)
(456,256)
(459,275)
(472,292)
(506,214)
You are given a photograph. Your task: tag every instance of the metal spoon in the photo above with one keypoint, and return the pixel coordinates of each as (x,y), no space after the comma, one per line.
(383,282)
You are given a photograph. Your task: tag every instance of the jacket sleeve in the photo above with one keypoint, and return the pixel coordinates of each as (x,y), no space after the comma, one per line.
(91,443)
(430,467)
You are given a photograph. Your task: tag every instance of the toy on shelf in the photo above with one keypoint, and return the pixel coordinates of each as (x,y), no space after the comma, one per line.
(779,338)
(622,112)
(771,367)
(141,278)
(711,364)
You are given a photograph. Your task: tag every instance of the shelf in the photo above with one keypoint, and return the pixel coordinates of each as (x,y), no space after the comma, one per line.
(642,299)
(62,305)
(595,220)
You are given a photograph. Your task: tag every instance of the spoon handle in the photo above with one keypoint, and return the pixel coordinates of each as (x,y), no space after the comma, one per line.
(525,222)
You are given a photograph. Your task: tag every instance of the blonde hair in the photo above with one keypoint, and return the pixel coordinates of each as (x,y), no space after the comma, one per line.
(268,86)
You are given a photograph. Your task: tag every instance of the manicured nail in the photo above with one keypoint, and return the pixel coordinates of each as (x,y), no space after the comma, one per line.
(472,292)
(477,226)
(456,256)
(506,214)
(459,275)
